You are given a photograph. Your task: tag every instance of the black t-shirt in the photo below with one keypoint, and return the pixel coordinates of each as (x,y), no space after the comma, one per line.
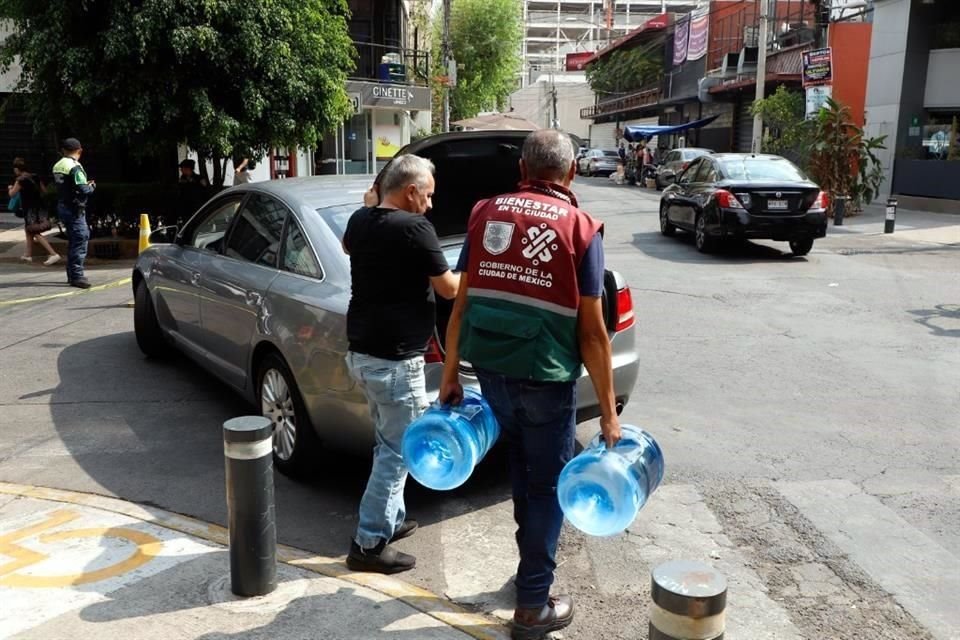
(392,309)
(29,192)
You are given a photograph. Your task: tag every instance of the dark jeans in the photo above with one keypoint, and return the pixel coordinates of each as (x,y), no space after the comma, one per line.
(78,234)
(538,424)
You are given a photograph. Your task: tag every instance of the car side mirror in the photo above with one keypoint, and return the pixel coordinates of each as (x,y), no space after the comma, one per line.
(164,235)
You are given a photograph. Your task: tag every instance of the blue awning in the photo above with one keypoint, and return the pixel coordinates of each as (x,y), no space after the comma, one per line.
(638,132)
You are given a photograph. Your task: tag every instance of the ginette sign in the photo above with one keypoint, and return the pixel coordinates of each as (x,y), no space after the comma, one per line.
(391,96)
(817,67)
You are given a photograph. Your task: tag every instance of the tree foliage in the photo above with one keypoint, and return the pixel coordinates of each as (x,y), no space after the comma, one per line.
(790,134)
(217,75)
(625,71)
(485,39)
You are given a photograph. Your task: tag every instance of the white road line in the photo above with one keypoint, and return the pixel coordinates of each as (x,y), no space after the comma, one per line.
(920,574)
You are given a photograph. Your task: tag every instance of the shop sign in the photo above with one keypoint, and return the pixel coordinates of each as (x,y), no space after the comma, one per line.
(577,61)
(817,67)
(817,99)
(395,96)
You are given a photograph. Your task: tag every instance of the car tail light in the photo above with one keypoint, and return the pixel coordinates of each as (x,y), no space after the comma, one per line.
(433,355)
(727,200)
(625,315)
(821,203)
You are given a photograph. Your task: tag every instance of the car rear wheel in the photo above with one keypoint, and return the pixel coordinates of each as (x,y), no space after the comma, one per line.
(294,441)
(146,327)
(801,247)
(705,244)
(666,228)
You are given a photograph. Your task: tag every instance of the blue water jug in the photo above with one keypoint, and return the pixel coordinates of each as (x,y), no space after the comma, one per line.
(442,447)
(601,490)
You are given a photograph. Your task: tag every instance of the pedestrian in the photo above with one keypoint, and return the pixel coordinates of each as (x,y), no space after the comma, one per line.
(396,265)
(35,220)
(188,173)
(73,191)
(527,338)
(241,169)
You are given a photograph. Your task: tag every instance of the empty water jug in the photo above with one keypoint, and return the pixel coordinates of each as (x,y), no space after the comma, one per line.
(442,447)
(601,490)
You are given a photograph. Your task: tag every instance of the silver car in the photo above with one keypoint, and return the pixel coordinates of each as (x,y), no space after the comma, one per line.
(598,162)
(255,288)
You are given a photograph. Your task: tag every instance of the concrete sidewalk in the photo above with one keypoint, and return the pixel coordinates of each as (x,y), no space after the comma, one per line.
(911,226)
(75,565)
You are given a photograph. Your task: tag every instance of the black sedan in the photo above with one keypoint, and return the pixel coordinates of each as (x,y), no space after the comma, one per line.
(744,196)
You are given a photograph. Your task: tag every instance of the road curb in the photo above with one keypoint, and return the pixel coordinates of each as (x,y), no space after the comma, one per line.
(431,604)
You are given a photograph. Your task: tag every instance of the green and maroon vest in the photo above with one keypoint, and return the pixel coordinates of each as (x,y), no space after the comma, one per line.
(523,296)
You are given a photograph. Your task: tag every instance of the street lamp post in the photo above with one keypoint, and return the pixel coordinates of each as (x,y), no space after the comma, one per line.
(757,141)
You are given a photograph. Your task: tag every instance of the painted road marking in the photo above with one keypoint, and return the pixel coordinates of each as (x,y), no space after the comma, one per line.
(147,547)
(67,294)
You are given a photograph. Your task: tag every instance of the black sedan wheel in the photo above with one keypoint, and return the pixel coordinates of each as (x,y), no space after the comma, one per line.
(705,244)
(294,440)
(666,228)
(801,247)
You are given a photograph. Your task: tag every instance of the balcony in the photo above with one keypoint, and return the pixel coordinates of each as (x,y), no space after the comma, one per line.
(387,63)
(643,98)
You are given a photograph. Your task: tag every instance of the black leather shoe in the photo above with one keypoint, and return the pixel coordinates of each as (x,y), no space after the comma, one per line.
(80,284)
(533,624)
(405,530)
(380,559)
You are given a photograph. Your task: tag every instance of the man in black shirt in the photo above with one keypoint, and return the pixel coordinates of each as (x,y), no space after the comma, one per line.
(396,265)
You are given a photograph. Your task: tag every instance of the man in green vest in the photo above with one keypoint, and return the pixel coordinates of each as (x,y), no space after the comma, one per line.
(527,317)
(73,190)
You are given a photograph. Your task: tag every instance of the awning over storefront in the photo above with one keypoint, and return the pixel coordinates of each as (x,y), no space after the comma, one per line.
(635,133)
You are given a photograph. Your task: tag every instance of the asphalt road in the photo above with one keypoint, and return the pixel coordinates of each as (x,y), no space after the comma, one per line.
(807,408)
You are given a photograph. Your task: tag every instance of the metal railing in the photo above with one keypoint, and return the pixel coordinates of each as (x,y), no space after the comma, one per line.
(391,63)
(793,22)
(644,97)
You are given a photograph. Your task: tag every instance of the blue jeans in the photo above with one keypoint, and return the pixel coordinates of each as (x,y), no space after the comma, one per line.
(538,424)
(78,234)
(396,391)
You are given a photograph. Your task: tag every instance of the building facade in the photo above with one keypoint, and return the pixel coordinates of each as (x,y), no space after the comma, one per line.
(913,98)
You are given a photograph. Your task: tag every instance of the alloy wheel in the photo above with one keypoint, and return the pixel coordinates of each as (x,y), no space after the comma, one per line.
(276,403)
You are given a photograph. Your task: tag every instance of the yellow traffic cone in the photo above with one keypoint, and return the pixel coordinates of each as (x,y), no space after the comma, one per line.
(144,232)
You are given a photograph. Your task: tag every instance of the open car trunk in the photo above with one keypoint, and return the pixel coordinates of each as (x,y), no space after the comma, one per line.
(472,166)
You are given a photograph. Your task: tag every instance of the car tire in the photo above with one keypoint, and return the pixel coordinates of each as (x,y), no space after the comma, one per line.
(666,228)
(801,247)
(704,243)
(146,327)
(294,440)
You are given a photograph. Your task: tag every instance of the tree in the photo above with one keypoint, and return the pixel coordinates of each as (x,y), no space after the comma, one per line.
(485,37)
(790,133)
(217,75)
(625,71)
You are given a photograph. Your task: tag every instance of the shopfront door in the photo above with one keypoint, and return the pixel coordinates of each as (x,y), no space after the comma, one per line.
(356,150)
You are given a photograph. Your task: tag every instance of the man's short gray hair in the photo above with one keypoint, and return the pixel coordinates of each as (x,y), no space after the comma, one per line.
(405,170)
(547,154)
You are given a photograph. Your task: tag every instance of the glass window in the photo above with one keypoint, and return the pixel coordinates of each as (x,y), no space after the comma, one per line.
(707,172)
(757,169)
(298,256)
(212,225)
(691,173)
(256,234)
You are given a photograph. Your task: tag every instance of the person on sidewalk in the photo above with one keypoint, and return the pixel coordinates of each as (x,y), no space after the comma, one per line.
(527,338)
(396,265)
(241,171)
(73,191)
(35,220)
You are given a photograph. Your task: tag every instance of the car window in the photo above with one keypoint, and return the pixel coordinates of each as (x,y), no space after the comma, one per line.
(691,173)
(674,156)
(256,233)
(298,256)
(337,217)
(755,169)
(212,224)
(707,172)
(611,154)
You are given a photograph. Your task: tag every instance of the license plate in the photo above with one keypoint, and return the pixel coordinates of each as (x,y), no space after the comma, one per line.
(777,205)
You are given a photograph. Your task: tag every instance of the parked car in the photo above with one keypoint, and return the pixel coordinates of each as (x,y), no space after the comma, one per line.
(598,162)
(740,196)
(255,289)
(676,162)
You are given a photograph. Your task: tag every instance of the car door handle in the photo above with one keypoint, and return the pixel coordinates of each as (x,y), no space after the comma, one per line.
(254,299)
(195,278)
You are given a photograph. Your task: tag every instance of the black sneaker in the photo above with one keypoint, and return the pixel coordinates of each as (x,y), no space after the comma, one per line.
(405,530)
(80,284)
(380,559)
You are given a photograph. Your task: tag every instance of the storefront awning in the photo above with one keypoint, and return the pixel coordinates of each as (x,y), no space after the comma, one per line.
(635,133)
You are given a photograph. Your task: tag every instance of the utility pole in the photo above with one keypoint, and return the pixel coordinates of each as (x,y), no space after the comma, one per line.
(445,54)
(756,145)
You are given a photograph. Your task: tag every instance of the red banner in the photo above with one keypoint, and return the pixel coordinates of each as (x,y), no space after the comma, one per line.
(577,61)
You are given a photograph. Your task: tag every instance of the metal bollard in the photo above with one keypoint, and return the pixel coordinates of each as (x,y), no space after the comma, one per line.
(251,518)
(838,210)
(689,600)
(891,220)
